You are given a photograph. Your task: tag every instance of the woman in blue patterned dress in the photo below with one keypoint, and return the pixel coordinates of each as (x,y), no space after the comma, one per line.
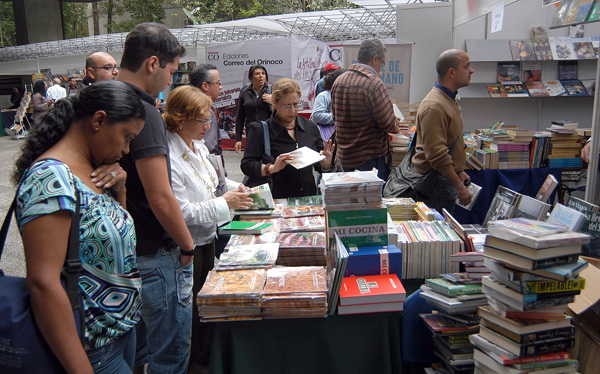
(75,150)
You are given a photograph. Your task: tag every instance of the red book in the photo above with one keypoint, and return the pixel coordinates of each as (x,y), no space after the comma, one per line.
(557,356)
(371,308)
(371,289)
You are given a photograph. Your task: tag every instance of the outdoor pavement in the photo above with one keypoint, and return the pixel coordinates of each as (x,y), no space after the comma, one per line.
(12,261)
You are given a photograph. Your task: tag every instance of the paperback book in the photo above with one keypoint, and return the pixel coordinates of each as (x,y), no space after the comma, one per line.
(509,71)
(584,48)
(547,188)
(562,48)
(567,70)
(515,89)
(555,88)
(569,217)
(522,50)
(532,71)
(496,90)
(537,89)
(245,228)
(474,190)
(371,289)
(303,157)
(574,87)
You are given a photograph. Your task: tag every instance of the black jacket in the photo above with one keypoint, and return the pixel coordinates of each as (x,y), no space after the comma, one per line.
(251,108)
(289,182)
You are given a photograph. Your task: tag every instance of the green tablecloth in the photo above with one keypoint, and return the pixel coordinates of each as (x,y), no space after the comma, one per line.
(361,344)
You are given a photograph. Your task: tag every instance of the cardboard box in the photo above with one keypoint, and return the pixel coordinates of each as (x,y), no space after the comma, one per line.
(376,260)
(359,228)
(586,319)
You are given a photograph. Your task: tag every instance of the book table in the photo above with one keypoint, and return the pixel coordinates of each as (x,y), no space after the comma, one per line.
(359,343)
(523,181)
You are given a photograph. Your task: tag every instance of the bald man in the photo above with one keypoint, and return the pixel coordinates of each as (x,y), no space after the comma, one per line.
(99,66)
(439,128)
(56,92)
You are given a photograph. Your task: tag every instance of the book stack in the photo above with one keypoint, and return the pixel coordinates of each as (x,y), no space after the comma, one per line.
(295,292)
(426,248)
(472,262)
(401,208)
(268,237)
(565,148)
(371,294)
(514,154)
(231,295)
(425,213)
(302,249)
(398,146)
(454,294)
(248,256)
(451,339)
(535,269)
(354,208)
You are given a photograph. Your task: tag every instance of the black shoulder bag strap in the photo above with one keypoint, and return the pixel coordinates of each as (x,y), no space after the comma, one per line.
(267,139)
(73,263)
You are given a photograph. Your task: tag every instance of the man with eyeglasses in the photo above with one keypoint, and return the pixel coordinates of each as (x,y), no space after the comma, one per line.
(363,112)
(207,79)
(99,66)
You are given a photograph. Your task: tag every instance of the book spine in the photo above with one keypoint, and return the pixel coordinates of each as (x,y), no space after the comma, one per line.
(564,332)
(546,347)
(556,261)
(539,359)
(552,286)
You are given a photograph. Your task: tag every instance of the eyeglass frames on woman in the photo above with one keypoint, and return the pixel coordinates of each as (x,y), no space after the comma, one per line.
(203,122)
(290,106)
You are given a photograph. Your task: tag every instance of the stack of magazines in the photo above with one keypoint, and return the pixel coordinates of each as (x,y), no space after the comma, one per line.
(295,292)
(231,295)
(248,256)
(401,208)
(351,190)
(302,249)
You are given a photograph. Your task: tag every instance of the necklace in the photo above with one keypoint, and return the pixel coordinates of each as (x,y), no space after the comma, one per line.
(209,187)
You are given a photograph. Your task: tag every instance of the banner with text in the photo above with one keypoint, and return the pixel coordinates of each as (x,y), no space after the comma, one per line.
(395,73)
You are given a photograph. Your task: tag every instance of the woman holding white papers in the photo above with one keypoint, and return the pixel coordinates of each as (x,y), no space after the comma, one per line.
(287,131)
(195,183)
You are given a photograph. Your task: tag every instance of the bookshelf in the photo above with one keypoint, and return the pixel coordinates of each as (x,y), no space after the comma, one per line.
(181,77)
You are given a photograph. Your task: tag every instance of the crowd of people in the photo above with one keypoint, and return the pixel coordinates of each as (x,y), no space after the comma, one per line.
(151,199)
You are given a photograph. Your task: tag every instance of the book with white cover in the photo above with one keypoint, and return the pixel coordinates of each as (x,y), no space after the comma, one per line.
(555,88)
(570,217)
(474,190)
(304,157)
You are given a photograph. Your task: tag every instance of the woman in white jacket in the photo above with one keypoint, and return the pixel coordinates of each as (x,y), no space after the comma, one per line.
(196,186)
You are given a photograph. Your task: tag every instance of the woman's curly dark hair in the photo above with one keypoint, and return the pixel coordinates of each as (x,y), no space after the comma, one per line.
(117,99)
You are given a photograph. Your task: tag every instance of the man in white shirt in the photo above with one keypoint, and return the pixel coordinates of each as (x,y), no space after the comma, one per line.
(56,92)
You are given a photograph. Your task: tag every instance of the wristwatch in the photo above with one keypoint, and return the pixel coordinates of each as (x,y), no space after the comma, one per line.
(187,253)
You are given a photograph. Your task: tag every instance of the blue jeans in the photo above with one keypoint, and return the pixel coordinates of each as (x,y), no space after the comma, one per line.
(165,330)
(115,357)
(383,169)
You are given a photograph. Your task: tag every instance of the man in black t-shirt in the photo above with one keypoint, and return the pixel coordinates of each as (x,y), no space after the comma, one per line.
(164,244)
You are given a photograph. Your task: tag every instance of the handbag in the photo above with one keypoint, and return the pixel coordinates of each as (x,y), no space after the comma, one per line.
(253,182)
(23,348)
(403,179)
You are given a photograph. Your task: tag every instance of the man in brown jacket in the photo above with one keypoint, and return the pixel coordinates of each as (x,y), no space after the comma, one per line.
(363,112)
(439,125)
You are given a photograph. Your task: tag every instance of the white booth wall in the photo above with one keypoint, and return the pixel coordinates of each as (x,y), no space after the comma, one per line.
(475,23)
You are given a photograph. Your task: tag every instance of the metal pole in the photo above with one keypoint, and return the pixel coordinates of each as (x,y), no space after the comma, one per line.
(591,183)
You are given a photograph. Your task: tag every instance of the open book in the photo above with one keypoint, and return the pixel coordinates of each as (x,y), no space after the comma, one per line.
(304,157)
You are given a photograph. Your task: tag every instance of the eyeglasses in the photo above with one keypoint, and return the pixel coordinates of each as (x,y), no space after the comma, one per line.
(218,83)
(203,122)
(107,68)
(290,106)
(382,61)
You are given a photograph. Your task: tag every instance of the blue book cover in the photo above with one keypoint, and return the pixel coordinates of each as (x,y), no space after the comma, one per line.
(374,260)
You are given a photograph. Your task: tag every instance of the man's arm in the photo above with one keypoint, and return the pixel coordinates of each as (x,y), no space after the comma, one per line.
(383,109)
(154,176)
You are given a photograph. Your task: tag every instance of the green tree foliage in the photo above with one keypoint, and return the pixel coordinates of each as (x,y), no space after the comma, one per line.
(76,20)
(7,24)
(211,11)
(138,11)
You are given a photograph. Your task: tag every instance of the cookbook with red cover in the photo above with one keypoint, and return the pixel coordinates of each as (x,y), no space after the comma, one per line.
(371,289)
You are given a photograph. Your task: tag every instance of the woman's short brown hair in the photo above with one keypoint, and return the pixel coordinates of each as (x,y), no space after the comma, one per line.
(185,102)
(282,88)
